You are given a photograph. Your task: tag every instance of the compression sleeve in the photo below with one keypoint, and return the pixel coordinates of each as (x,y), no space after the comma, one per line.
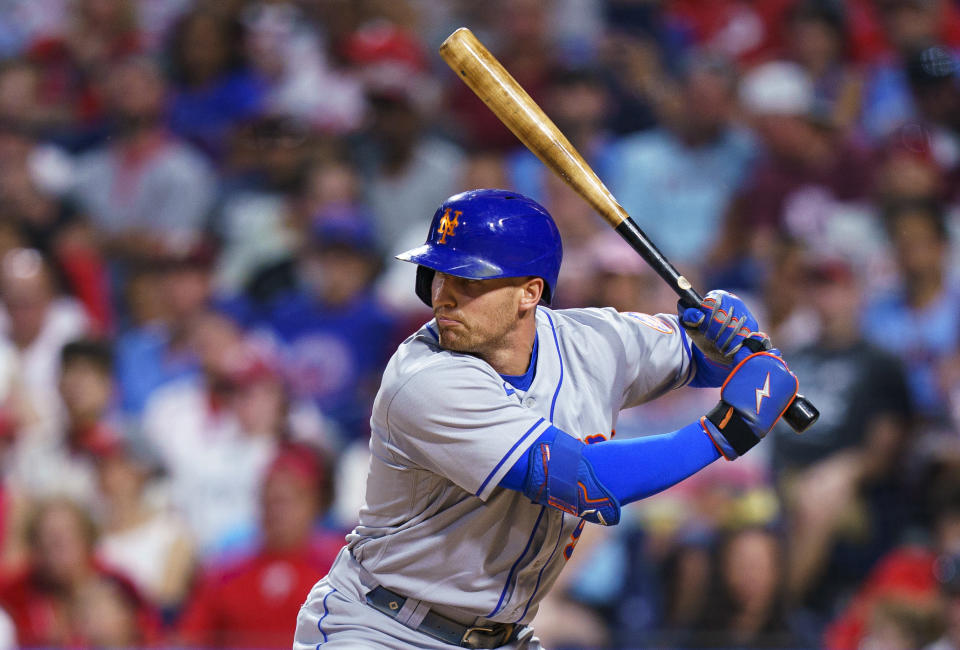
(709,373)
(636,468)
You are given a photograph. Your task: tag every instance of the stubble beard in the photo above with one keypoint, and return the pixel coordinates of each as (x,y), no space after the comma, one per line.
(468,339)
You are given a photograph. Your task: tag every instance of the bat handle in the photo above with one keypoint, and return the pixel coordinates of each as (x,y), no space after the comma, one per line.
(801,414)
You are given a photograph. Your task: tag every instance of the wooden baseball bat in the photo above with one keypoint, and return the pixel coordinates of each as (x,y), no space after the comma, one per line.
(491,82)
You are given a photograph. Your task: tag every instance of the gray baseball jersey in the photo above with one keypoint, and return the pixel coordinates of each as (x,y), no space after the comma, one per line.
(445,430)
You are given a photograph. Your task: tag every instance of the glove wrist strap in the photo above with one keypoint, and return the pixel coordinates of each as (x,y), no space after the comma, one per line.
(733,427)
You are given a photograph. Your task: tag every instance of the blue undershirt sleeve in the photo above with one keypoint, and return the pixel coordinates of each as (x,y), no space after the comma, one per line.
(636,468)
(709,374)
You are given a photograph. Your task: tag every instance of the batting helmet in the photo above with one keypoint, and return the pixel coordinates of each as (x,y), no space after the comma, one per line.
(483,234)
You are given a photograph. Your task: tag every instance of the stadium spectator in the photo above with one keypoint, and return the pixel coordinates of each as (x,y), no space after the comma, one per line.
(882,29)
(155,20)
(150,545)
(50,600)
(891,32)
(329,189)
(287,48)
(917,320)
(107,614)
(255,219)
(789,320)
(950,597)
(330,185)
(637,54)
(213,90)
(213,465)
(145,190)
(619,278)
(933,79)
(250,603)
(73,63)
(808,172)
(407,172)
(746,608)
(332,334)
(907,169)
(915,572)
(904,624)
(33,180)
(746,33)
(63,464)
(677,180)
(842,482)
(166,294)
(816,38)
(38,321)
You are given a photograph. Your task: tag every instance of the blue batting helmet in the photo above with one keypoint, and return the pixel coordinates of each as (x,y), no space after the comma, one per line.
(483,234)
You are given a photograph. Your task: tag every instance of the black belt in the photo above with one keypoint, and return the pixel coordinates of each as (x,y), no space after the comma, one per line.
(442,628)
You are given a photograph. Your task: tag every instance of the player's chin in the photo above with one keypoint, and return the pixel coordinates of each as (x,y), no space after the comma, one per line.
(455,338)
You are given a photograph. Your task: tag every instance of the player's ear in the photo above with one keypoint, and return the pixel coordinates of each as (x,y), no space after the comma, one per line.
(531,292)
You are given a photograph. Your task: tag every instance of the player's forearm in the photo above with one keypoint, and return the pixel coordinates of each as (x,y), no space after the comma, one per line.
(639,467)
(620,470)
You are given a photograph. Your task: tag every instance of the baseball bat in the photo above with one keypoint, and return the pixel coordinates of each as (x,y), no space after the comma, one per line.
(491,82)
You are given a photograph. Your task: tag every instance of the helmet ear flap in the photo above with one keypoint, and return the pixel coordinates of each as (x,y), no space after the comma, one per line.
(547,296)
(424,284)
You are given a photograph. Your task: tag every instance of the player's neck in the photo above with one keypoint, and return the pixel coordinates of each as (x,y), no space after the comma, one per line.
(511,356)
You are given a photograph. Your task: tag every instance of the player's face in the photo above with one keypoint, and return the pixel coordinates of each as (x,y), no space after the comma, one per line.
(476,316)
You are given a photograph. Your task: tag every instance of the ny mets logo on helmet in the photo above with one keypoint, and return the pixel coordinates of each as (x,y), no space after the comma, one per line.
(448,226)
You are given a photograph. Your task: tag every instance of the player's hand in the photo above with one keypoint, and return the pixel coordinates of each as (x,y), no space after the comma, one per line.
(721,325)
(753,398)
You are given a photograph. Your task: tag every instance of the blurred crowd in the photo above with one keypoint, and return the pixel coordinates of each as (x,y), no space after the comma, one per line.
(199,204)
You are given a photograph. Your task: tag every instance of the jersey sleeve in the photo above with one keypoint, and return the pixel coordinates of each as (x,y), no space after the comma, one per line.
(656,355)
(457,421)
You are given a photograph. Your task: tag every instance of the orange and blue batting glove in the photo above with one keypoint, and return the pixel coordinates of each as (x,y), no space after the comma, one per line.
(754,396)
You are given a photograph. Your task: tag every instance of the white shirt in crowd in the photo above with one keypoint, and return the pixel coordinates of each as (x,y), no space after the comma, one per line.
(214,468)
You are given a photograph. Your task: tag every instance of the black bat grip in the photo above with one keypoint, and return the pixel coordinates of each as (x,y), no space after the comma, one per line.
(801,414)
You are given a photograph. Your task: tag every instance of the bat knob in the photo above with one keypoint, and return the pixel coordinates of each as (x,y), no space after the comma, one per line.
(801,414)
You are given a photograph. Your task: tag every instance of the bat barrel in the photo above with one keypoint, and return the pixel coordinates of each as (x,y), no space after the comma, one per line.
(497,88)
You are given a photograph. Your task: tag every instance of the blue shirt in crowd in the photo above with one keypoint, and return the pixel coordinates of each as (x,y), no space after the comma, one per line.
(676,193)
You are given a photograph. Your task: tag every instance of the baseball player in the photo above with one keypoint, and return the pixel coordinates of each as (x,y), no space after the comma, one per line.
(490,434)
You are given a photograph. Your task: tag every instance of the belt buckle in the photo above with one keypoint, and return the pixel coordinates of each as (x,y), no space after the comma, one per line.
(468,634)
(470,631)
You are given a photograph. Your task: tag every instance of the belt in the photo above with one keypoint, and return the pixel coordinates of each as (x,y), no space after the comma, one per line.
(492,635)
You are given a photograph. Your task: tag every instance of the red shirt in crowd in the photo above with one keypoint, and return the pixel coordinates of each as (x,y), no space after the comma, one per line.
(255,602)
(42,613)
(906,572)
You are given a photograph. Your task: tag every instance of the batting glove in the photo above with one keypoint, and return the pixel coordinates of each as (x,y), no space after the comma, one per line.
(752,399)
(721,325)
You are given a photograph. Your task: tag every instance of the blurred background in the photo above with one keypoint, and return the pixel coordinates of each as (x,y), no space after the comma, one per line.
(199,204)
